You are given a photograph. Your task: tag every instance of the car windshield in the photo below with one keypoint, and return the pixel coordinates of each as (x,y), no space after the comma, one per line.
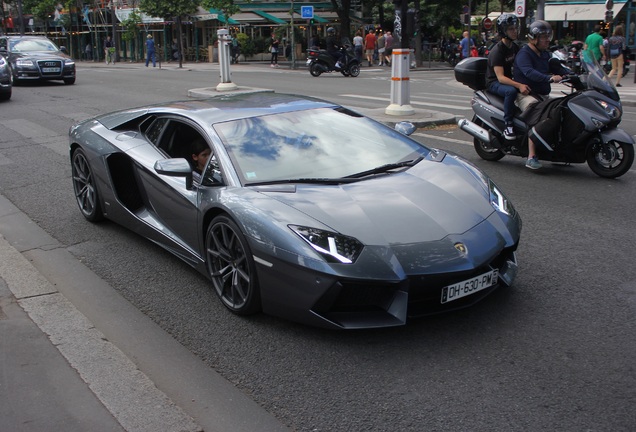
(31,45)
(319,144)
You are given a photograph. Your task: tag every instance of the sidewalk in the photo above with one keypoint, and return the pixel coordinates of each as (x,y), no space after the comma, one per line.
(75,356)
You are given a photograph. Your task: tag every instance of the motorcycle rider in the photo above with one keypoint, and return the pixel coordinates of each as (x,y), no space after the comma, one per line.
(532,67)
(499,73)
(333,48)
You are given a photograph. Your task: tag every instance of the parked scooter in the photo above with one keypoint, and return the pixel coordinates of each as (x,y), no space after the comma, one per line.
(589,122)
(319,61)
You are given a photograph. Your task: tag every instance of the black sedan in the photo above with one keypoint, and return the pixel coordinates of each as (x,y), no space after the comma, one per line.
(6,79)
(300,208)
(37,58)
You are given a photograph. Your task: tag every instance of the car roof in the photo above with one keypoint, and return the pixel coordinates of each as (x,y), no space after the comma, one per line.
(221,109)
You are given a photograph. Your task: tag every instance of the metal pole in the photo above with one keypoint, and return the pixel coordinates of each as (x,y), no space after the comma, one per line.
(293,38)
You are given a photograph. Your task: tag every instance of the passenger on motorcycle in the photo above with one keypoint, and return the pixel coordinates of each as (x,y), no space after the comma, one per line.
(499,73)
(533,68)
(333,48)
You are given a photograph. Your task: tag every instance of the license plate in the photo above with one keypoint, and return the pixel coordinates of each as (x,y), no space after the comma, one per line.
(50,70)
(308,62)
(469,286)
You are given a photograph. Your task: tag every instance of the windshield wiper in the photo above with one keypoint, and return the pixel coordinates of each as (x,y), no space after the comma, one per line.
(385,168)
(333,181)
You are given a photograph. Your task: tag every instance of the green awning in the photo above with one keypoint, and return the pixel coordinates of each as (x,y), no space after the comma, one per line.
(222,18)
(269,17)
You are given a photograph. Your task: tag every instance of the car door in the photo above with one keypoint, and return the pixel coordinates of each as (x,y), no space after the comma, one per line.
(173,208)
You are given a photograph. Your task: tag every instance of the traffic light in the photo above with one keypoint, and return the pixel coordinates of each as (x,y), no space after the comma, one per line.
(609,16)
(412,22)
(311,21)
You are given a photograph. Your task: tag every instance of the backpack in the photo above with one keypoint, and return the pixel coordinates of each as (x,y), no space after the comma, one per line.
(615,48)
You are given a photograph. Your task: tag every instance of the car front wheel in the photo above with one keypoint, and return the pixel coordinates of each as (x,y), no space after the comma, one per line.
(84,186)
(231,267)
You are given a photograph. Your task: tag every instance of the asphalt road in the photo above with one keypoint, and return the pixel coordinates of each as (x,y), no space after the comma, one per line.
(555,352)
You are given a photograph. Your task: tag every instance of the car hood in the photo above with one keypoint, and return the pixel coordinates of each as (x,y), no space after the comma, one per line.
(37,55)
(426,203)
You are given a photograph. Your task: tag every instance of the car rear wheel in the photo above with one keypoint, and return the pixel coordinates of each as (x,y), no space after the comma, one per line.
(231,267)
(84,186)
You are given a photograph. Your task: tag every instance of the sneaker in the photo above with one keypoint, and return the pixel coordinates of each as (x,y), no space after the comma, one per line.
(533,163)
(509,133)
(272,65)
(618,85)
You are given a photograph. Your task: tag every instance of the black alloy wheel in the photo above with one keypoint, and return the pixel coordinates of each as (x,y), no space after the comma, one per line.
(231,267)
(84,186)
(610,160)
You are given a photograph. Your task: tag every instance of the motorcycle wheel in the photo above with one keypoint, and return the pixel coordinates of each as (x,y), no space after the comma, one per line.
(484,151)
(314,70)
(610,160)
(354,70)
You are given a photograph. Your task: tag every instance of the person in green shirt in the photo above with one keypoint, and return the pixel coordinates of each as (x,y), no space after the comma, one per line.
(594,42)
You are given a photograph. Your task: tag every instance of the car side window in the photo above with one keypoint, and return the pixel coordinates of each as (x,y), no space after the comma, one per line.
(153,133)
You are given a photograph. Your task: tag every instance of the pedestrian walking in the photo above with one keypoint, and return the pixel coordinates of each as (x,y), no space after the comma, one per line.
(615,47)
(358,45)
(150,51)
(369,45)
(109,50)
(273,48)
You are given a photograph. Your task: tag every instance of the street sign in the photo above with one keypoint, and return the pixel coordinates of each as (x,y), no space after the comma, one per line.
(487,23)
(307,12)
(520,8)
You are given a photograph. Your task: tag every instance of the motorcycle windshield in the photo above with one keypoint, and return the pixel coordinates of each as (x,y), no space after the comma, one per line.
(597,78)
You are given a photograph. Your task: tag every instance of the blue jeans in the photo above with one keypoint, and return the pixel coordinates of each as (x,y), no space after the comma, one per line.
(509,93)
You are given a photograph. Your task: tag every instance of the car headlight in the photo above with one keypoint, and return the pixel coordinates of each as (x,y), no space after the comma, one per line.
(24,63)
(69,62)
(334,247)
(499,201)
(612,111)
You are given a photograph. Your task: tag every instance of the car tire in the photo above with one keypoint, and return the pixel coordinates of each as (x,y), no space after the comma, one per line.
(69,81)
(84,186)
(231,267)
(5,96)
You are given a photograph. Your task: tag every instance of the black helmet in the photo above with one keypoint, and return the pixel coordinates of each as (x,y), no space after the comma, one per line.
(506,21)
(331,30)
(538,28)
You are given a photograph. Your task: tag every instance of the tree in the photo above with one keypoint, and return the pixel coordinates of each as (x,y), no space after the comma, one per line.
(341,7)
(42,9)
(131,30)
(168,9)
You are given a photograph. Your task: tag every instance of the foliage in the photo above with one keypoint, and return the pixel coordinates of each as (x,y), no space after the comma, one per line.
(248,48)
(168,9)
(131,26)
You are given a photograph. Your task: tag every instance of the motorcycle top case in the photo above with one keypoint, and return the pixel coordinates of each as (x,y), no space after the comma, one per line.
(472,72)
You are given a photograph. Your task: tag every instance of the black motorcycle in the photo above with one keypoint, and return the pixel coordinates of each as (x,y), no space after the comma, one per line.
(588,120)
(319,61)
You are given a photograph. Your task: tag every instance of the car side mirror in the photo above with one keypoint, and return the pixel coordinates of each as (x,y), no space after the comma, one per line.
(63,49)
(178,167)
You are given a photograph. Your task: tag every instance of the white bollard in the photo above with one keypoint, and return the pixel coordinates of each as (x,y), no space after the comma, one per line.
(400,84)
(226,83)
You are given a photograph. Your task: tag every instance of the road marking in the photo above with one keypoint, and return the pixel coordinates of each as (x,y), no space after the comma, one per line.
(456,107)
(442,138)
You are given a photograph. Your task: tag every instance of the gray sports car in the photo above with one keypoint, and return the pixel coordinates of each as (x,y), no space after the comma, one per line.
(299,207)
